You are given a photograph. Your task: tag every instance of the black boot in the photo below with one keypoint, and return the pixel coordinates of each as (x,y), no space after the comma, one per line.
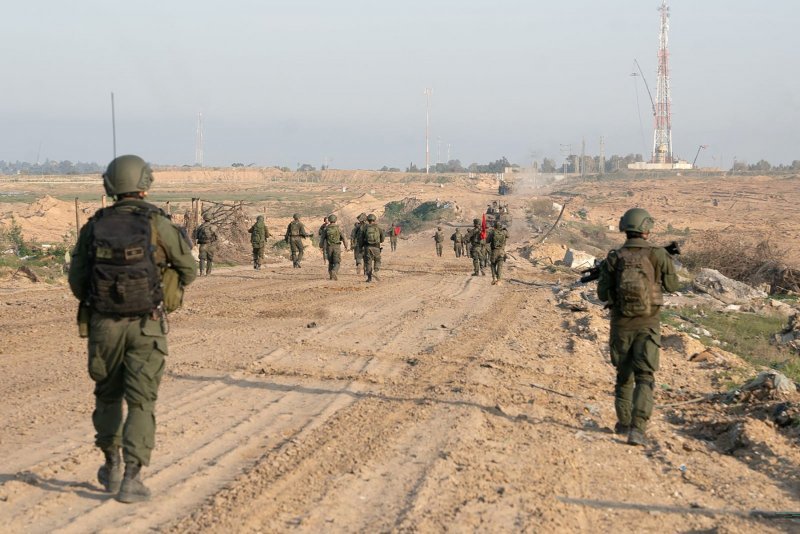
(110,473)
(132,488)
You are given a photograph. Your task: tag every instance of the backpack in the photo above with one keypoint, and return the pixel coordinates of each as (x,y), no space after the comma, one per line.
(204,234)
(637,293)
(373,235)
(124,278)
(498,239)
(333,236)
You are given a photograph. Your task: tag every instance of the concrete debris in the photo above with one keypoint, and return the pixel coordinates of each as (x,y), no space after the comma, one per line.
(578,260)
(790,335)
(729,291)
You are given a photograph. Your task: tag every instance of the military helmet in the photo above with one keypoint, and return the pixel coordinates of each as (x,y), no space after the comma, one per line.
(207,216)
(371,217)
(362,216)
(476,221)
(260,218)
(636,220)
(126,174)
(332,218)
(296,216)
(438,227)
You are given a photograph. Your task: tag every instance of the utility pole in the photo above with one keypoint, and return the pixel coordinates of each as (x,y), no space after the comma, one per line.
(113,126)
(583,158)
(198,143)
(602,155)
(438,150)
(428,92)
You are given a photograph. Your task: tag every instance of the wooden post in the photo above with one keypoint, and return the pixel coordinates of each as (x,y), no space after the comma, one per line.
(103,201)
(169,209)
(77,218)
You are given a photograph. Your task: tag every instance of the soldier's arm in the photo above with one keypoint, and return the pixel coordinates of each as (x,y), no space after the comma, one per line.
(382,234)
(605,280)
(79,264)
(669,279)
(178,252)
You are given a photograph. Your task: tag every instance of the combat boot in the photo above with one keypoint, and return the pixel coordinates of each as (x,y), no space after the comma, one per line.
(110,473)
(208,268)
(475,274)
(358,268)
(621,429)
(132,488)
(636,437)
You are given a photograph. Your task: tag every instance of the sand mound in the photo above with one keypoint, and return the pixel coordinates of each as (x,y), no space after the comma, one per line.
(46,220)
(365,203)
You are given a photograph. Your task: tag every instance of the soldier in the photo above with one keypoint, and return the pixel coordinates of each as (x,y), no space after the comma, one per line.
(371,239)
(631,281)
(295,233)
(496,241)
(477,244)
(394,231)
(258,238)
(206,237)
(322,244)
(128,269)
(334,239)
(464,247)
(355,239)
(458,242)
(438,239)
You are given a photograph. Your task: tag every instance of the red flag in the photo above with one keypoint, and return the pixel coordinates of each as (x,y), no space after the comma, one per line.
(396,230)
(483,227)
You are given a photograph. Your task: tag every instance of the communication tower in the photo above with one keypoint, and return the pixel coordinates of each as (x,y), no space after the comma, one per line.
(662,136)
(198,142)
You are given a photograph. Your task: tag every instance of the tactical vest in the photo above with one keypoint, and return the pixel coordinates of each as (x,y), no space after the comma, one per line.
(294,228)
(638,292)
(204,234)
(498,239)
(372,235)
(333,235)
(124,278)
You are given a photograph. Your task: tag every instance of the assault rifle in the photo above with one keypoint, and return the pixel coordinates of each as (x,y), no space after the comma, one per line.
(593,273)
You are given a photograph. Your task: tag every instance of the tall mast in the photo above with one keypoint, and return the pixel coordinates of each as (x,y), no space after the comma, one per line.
(662,136)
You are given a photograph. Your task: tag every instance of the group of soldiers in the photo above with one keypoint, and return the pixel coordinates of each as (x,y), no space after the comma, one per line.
(487,248)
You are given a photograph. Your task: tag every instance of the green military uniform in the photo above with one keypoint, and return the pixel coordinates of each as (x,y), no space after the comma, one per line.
(295,233)
(477,249)
(323,245)
(393,232)
(371,238)
(334,238)
(438,239)
(206,237)
(458,242)
(496,241)
(258,239)
(127,353)
(635,340)
(355,239)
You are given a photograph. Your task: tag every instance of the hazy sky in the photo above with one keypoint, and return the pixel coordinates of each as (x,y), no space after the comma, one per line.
(282,82)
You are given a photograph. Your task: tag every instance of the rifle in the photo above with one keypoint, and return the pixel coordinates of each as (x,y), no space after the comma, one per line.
(593,273)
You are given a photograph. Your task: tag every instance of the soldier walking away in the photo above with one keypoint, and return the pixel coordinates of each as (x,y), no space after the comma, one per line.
(632,279)
(477,242)
(295,233)
(322,245)
(438,238)
(206,237)
(371,239)
(258,238)
(458,242)
(394,232)
(355,239)
(334,238)
(496,241)
(128,270)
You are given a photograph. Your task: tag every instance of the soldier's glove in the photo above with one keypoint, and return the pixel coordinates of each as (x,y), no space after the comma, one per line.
(673,249)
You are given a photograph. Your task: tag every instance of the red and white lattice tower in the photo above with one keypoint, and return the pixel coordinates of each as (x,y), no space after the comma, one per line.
(662,136)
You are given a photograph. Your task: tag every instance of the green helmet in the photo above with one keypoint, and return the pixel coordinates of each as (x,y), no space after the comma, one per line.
(332,218)
(476,221)
(127,174)
(371,217)
(207,216)
(361,216)
(296,216)
(260,218)
(636,220)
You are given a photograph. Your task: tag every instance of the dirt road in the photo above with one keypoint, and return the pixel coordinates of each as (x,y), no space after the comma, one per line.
(296,403)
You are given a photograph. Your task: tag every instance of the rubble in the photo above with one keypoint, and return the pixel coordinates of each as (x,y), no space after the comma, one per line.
(578,260)
(721,287)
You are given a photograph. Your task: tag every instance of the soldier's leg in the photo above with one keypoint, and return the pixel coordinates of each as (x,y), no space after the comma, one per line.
(368,265)
(334,260)
(255,258)
(293,248)
(645,352)
(202,259)
(620,345)
(476,262)
(376,262)
(300,249)
(499,267)
(209,260)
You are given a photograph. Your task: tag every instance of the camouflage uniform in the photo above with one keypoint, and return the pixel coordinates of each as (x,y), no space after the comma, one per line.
(127,354)
(372,252)
(477,250)
(458,242)
(322,244)
(295,233)
(333,248)
(258,238)
(206,237)
(393,232)
(438,238)
(496,241)
(635,341)
(355,239)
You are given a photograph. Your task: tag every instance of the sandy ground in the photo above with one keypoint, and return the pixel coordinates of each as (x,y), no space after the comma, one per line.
(293,403)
